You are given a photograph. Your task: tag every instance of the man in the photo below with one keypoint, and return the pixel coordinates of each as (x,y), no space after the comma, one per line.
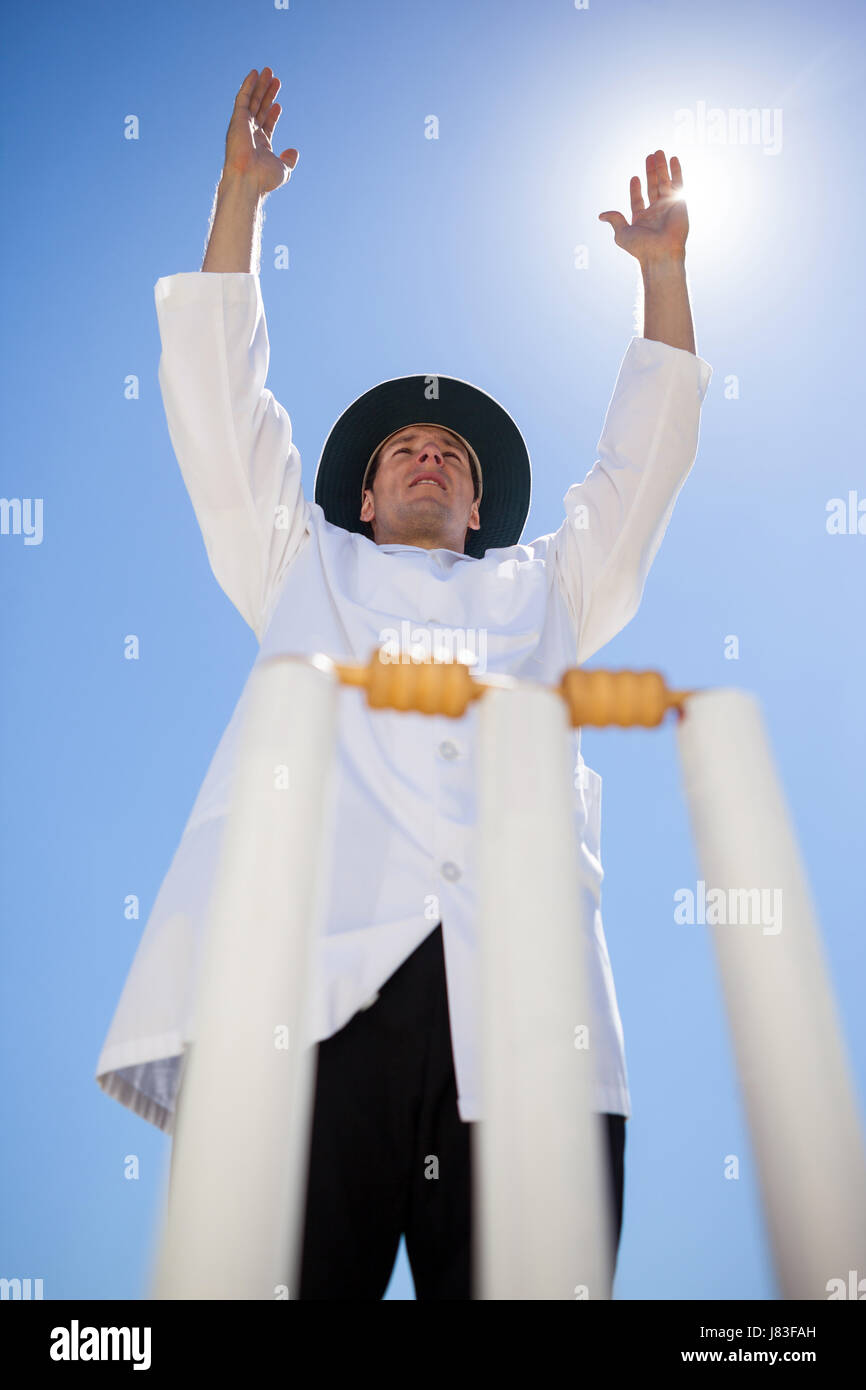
(422,491)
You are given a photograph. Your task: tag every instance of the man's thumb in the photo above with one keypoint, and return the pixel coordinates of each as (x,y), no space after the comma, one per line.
(616,220)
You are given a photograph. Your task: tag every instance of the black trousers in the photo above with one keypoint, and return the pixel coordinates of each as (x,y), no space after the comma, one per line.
(389,1154)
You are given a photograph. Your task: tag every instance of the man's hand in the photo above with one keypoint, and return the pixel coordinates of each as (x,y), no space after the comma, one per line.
(658,232)
(249,154)
(250,172)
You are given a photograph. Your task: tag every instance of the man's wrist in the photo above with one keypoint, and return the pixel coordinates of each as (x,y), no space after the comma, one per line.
(233,243)
(239,187)
(669,265)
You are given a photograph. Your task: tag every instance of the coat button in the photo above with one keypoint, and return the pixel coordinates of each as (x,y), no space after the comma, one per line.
(448,749)
(450,871)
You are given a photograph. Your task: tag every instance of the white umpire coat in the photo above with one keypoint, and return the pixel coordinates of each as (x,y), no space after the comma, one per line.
(404,850)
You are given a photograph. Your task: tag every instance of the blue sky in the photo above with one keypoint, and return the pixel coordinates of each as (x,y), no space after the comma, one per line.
(456,256)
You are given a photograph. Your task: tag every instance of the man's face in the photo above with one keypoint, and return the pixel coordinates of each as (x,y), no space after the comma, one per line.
(423,491)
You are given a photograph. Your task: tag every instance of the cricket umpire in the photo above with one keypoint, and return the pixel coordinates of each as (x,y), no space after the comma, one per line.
(412,543)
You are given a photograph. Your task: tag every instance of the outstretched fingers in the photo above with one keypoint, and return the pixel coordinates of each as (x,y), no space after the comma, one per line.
(664,177)
(244,96)
(665,186)
(637,203)
(265,90)
(271,119)
(264,118)
(652,178)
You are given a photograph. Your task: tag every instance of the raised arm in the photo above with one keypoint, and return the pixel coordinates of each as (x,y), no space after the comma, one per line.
(616,518)
(232,438)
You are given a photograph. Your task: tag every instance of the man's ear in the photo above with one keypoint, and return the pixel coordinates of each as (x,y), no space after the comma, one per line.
(367,509)
(474,522)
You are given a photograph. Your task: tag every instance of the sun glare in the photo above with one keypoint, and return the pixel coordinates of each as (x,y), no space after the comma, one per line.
(720,191)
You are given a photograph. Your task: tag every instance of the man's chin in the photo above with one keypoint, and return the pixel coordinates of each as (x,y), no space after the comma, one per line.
(425,511)
(417,527)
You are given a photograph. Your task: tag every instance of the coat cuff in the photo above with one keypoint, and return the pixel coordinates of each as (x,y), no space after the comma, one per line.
(188,286)
(649,352)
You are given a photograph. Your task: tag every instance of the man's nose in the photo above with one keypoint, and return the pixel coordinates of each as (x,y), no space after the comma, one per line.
(430,453)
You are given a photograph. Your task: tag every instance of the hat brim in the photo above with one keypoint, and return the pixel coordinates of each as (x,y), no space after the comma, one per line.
(457,405)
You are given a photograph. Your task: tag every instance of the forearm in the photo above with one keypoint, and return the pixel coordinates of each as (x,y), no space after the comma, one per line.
(667,313)
(234,241)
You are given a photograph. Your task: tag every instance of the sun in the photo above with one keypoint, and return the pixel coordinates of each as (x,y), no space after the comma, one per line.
(720,190)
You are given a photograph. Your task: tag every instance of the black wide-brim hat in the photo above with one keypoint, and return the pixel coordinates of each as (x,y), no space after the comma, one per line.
(430,400)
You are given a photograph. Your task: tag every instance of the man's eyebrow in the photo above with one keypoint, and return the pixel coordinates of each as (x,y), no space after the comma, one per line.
(404,438)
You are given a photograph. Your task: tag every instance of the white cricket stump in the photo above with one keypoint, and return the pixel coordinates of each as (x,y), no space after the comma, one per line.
(542,1210)
(798,1091)
(236,1198)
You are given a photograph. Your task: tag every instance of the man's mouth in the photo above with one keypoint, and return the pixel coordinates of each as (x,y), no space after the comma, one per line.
(429,481)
